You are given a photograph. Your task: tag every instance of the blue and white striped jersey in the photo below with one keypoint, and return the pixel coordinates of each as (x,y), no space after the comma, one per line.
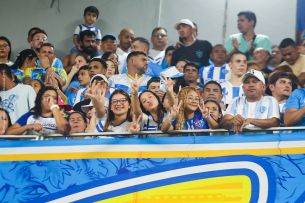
(230,91)
(218,74)
(267,107)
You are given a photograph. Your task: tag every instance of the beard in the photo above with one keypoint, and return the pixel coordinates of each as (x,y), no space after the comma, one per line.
(91,51)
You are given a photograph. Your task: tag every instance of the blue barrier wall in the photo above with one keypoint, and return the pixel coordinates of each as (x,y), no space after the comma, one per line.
(239,168)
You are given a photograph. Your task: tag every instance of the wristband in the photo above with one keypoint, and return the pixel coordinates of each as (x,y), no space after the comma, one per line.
(54,106)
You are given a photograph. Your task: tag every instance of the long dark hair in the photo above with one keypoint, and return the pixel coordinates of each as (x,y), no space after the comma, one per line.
(111,115)
(160,108)
(37,109)
(8,116)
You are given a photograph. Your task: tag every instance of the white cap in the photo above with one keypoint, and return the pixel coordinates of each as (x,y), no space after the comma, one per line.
(99,76)
(185,21)
(254,73)
(86,108)
(171,72)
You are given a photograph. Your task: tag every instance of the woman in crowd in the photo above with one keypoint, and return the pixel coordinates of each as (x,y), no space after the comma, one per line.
(193,114)
(5,51)
(44,117)
(119,118)
(112,68)
(5,121)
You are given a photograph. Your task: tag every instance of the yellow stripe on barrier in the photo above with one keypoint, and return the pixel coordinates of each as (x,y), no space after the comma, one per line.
(149,154)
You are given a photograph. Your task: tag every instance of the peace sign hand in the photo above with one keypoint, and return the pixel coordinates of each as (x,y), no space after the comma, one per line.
(174,111)
(135,124)
(205,111)
(135,85)
(169,83)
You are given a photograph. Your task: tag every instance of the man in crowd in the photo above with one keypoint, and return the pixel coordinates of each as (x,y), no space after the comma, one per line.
(247,40)
(293,58)
(16,98)
(159,40)
(254,109)
(136,67)
(191,49)
(108,43)
(125,38)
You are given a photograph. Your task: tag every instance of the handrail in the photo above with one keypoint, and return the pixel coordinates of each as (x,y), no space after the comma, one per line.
(40,136)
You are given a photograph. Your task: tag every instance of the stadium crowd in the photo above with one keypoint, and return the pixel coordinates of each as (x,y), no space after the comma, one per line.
(129,83)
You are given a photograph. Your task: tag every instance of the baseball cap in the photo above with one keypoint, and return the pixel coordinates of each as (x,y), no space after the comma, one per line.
(108,36)
(254,73)
(61,103)
(87,107)
(185,21)
(101,76)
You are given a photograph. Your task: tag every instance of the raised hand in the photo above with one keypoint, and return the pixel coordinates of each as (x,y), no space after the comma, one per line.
(97,90)
(44,62)
(174,111)
(235,43)
(169,84)
(135,85)
(135,125)
(204,111)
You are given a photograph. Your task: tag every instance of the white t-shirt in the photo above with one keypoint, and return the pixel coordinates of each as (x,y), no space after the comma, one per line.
(122,57)
(18,100)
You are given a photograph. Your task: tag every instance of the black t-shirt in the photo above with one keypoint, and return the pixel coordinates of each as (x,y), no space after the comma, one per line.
(198,52)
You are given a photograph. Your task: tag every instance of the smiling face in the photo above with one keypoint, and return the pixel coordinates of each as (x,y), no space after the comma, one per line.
(77,123)
(191,101)
(149,101)
(119,104)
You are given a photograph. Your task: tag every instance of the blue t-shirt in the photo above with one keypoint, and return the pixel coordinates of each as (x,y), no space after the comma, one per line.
(297,100)
(195,123)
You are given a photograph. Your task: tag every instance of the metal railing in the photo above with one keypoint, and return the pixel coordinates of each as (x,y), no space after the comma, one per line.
(41,136)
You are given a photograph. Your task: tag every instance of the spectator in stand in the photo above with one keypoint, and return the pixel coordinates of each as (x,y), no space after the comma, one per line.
(5,51)
(91,14)
(17,99)
(168,57)
(293,58)
(125,38)
(191,75)
(254,109)
(180,65)
(25,62)
(159,40)
(137,65)
(112,68)
(37,85)
(247,40)
(276,57)
(31,32)
(281,84)
(97,66)
(109,43)
(262,57)
(88,46)
(119,118)
(77,122)
(110,56)
(72,85)
(191,49)
(44,117)
(214,110)
(5,121)
(233,87)
(219,71)
(84,81)
(192,113)
(212,91)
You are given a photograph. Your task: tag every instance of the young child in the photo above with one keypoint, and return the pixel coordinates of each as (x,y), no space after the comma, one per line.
(84,81)
(91,14)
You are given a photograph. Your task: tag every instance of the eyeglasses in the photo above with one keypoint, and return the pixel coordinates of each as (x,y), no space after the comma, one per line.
(40,38)
(117,101)
(4,46)
(195,99)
